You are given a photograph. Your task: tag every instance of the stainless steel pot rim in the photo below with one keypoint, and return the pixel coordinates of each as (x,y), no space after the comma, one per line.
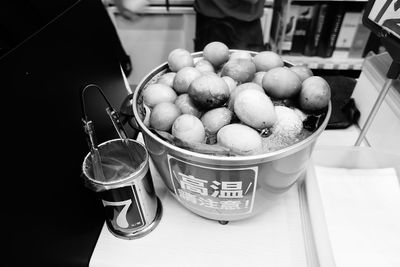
(259,157)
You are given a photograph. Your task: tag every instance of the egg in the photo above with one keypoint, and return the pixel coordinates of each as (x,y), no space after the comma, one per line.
(216,52)
(186,105)
(281,83)
(302,71)
(184,78)
(240,70)
(255,109)
(240,88)
(230,82)
(204,65)
(315,94)
(240,138)
(300,113)
(163,116)
(288,122)
(267,60)
(167,79)
(188,128)
(209,91)
(179,58)
(157,93)
(216,118)
(240,54)
(258,77)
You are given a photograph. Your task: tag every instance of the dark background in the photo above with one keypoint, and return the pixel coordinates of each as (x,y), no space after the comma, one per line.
(48,51)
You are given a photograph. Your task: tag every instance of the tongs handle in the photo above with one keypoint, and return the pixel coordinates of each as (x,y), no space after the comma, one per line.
(88,124)
(89,129)
(114,116)
(94,152)
(91,136)
(116,121)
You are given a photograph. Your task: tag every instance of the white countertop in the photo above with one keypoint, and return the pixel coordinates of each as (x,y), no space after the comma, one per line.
(276,238)
(339,137)
(183,238)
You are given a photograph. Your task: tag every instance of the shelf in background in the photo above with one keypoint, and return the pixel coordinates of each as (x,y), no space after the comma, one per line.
(331,63)
(190,2)
(360,1)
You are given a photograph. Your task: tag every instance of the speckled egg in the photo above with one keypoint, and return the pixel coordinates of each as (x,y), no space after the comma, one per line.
(255,109)
(240,138)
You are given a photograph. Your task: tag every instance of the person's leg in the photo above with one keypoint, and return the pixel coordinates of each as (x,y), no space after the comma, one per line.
(200,33)
(250,34)
(212,29)
(232,32)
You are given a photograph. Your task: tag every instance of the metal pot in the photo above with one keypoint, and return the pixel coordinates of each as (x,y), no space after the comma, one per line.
(224,188)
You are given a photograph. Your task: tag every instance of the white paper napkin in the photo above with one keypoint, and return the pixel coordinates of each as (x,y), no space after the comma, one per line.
(362,212)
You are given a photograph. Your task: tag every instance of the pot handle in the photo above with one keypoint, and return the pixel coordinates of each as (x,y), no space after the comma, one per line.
(127,116)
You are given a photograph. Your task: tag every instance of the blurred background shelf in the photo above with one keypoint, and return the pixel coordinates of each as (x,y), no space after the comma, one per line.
(293,1)
(326,36)
(190,2)
(168,27)
(332,63)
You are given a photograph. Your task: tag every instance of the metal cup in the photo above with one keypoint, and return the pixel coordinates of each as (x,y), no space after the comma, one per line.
(131,206)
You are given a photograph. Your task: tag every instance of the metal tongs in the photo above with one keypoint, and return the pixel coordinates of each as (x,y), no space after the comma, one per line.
(94,152)
(91,137)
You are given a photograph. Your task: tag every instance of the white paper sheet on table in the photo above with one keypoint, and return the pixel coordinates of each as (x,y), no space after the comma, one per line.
(362,213)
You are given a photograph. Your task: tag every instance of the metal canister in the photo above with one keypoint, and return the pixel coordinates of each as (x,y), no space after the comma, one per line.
(220,187)
(132,208)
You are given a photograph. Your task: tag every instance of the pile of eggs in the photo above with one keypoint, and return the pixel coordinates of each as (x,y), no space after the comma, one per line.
(235,99)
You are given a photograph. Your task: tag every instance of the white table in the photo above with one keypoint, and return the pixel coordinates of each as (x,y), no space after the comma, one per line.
(274,238)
